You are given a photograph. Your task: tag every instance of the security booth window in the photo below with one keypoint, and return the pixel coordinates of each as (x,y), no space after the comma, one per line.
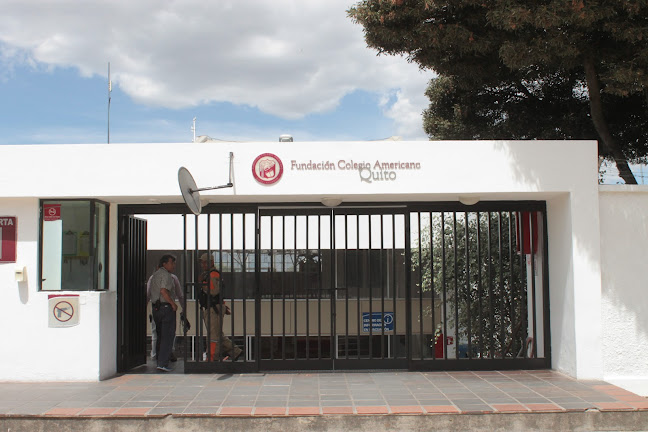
(73,245)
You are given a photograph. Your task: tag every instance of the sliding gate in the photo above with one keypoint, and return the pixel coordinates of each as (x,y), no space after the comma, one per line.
(328,289)
(434,286)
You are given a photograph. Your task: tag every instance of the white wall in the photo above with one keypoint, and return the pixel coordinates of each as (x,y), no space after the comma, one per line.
(147,173)
(561,284)
(624,306)
(32,350)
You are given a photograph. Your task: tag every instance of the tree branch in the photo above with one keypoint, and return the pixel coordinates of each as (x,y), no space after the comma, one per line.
(600,124)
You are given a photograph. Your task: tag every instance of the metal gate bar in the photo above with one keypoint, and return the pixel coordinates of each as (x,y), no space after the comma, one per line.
(358,321)
(394,286)
(370,285)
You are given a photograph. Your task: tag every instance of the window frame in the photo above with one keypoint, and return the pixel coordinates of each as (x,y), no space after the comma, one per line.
(93,243)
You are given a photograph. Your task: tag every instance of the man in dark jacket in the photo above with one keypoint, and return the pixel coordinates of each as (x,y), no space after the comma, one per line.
(164,310)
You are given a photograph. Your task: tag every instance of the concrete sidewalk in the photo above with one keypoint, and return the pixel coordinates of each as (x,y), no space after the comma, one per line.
(364,400)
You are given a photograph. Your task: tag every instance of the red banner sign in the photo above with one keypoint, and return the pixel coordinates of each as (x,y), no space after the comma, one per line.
(527,231)
(8,239)
(51,212)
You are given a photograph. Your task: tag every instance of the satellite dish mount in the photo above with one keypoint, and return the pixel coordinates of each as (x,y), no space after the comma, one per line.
(191,193)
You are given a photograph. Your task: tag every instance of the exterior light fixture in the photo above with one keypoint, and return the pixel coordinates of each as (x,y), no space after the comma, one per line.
(468,199)
(331,201)
(20,274)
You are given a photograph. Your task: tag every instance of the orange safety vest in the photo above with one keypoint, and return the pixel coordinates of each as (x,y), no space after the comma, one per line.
(213,274)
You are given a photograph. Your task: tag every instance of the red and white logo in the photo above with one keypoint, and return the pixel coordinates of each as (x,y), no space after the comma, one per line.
(267,168)
(51,212)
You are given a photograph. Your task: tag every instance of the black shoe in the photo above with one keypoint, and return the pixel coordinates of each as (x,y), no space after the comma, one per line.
(236,357)
(173,358)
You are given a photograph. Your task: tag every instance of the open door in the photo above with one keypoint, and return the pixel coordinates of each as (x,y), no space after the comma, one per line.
(131,294)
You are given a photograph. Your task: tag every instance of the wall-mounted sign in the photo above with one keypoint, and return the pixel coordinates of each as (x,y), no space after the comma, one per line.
(8,239)
(378,321)
(368,172)
(51,212)
(267,168)
(63,310)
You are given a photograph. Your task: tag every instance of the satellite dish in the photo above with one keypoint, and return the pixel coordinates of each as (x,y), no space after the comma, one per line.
(190,192)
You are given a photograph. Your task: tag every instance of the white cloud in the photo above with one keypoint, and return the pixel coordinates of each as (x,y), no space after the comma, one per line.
(289,58)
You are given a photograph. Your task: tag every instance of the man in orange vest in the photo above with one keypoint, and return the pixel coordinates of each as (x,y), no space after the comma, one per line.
(214,308)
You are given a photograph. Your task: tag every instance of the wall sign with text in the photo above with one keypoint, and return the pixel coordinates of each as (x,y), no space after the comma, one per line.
(8,239)
(368,171)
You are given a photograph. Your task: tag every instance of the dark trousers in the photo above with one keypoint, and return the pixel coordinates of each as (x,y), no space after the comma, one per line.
(165,326)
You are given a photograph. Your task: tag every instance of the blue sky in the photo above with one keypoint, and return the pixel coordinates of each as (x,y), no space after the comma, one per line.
(247,70)
(60,106)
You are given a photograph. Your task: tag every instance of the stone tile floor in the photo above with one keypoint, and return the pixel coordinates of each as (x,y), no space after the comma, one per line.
(312,394)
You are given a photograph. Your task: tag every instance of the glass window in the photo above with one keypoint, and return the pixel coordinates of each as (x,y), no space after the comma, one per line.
(73,245)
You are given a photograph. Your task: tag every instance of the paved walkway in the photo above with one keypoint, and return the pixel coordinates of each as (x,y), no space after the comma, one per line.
(316,394)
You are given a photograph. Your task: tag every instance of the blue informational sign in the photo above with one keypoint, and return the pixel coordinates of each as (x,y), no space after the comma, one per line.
(378,322)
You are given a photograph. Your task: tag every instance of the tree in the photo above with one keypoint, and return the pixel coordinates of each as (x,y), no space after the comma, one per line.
(510,111)
(506,65)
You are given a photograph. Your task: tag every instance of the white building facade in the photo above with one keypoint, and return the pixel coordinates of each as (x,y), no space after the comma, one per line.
(586,293)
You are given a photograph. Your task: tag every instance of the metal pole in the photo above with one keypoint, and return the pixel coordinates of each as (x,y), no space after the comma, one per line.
(109,91)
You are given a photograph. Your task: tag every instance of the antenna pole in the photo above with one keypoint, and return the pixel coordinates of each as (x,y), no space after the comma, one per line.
(109,91)
(230,167)
(228,185)
(193,129)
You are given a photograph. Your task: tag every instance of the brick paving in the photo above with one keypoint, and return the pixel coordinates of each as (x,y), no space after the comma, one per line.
(316,394)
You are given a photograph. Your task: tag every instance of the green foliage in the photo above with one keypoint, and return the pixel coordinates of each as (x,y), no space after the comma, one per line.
(508,111)
(549,107)
(514,69)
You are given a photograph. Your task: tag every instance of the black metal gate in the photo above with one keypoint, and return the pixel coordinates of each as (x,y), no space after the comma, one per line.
(131,294)
(402,286)
(370,263)
(229,237)
(327,284)
(479,286)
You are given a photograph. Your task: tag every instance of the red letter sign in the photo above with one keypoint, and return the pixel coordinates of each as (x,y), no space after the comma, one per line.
(7,239)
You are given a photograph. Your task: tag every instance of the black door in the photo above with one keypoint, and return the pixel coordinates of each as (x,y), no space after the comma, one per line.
(131,294)
(296,290)
(371,306)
